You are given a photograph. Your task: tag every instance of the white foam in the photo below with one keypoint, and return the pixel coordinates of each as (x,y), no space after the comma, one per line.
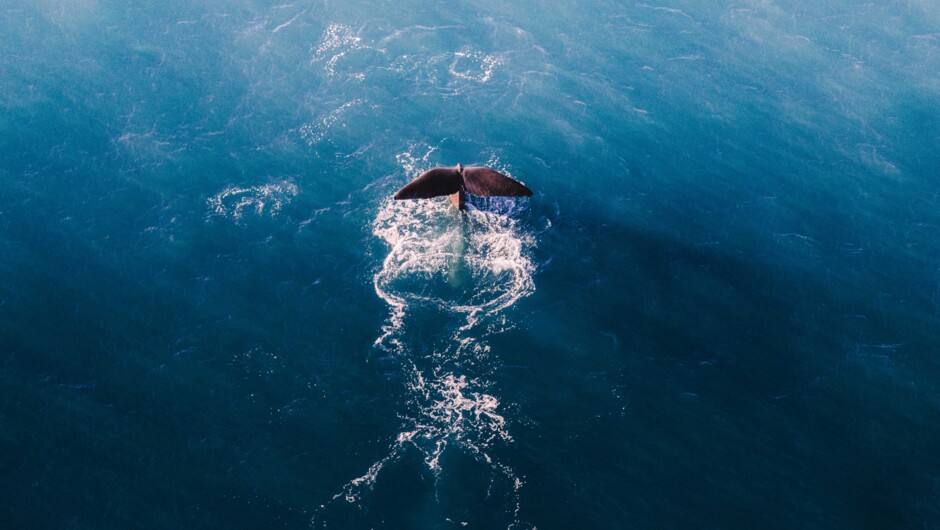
(474,65)
(451,413)
(427,239)
(235,201)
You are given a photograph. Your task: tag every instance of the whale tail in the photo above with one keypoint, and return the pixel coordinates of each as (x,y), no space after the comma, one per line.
(455,181)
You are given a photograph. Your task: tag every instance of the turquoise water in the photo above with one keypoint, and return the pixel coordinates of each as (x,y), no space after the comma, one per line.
(718,310)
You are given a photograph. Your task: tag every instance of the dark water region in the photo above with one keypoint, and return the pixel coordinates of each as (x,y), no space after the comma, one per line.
(719,310)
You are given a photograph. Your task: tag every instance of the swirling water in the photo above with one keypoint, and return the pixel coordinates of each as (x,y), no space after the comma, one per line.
(719,309)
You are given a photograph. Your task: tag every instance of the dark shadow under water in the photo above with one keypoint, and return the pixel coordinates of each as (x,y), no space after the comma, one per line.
(719,388)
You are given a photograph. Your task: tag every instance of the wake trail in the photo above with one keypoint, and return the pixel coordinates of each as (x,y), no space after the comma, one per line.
(465,270)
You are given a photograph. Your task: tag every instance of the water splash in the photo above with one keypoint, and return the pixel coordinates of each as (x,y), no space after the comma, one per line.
(429,240)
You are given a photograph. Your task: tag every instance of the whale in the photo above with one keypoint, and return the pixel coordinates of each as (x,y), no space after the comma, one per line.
(456,182)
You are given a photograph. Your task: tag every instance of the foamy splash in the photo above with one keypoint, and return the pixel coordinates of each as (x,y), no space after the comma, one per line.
(235,201)
(469,267)
(467,264)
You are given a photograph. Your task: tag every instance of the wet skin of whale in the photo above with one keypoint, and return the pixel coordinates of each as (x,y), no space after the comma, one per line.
(457,181)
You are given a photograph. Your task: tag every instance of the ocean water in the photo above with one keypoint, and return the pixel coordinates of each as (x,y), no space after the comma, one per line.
(720,309)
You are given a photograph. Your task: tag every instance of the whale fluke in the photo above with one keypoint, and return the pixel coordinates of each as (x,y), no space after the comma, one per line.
(455,181)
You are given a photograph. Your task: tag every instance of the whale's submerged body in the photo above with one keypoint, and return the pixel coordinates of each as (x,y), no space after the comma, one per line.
(457,181)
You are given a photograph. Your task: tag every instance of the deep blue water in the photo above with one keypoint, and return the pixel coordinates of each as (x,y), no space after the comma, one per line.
(720,309)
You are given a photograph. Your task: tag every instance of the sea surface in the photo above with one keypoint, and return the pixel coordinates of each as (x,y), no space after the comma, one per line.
(720,308)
